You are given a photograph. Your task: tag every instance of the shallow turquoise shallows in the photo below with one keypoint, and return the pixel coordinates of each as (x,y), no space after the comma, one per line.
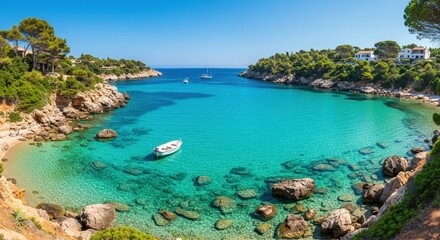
(243,134)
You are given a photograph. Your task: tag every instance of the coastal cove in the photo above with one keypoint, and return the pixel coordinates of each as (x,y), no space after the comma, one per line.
(243,134)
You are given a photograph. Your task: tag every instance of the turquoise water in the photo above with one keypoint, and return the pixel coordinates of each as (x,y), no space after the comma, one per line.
(225,123)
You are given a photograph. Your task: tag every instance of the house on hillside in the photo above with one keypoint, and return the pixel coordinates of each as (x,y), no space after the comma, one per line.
(418,53)
(366,55)
(23,52)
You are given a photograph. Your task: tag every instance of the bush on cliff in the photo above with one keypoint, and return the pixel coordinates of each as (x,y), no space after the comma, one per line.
(1,169)
(15,117)
(122,233)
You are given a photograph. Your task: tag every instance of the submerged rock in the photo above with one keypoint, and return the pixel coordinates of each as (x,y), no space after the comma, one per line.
(382,144)
(98,216)
(263,228)
(191,215)
(133,171)
(247,194)
(203,180)
(346,198)
(106,134)
(120,207)
(323,167)
(289,165)
(309,214)
(366,151)
(240,171)
(417,150)
(170,216)
(293,226)
(298,208)
(222,224)
(226,205)
(266,212)
(295,189)
(159,220)
(98,165)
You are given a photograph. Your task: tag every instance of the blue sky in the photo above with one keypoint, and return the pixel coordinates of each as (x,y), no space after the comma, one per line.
(229,33)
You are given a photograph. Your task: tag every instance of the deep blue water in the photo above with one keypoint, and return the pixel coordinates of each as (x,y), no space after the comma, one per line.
(225,123)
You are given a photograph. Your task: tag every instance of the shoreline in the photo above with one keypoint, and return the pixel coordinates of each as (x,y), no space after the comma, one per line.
(141,75)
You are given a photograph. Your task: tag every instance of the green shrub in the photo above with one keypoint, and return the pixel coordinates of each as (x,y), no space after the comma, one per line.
(1,169)
(122,233)
(436,148)
(15,117)
(36,223)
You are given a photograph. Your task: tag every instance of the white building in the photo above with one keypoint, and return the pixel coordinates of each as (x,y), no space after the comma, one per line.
(415,53)
(366,55)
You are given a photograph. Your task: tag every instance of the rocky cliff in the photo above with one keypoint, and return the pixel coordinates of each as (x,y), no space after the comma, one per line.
(145,74)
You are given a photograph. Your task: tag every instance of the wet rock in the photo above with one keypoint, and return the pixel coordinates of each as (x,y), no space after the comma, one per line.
(203,180)
(226,205)
(295,189)
(120,207)
(337,222)
(293,226)
(106,134)
(382,144)
(318,219)
(263,228)
(54,211)
(393,165)
(65,129)
(350,207)
(417,150)
(372,194)
(191,215)
(240,171)
(222,224)
(309,214)
(170,216)
(266,212)
(346,198)
(247,194)
(58,137)
(360,187)
(98,216)
(374,210)
(366,151)
(323,167)
(353,167)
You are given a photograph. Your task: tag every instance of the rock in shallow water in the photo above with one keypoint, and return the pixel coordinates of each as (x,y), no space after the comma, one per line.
(120,207)
(203,180)
(106,134)
(366,151)
(247,194)
(337,222)
(266,212)
(226,205)
(293,226)
(323,167)
(54,211)
(99,216)
(295,189)
(222,224)
(263,228)
(191,215)
(393,165)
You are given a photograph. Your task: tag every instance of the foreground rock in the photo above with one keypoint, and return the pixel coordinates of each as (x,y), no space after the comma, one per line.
(338,223)
(293,226)
(393,184)
(393,165)
(98,216)
(373,193)
(266,212)
(295,189)
(54,211)
(106,134)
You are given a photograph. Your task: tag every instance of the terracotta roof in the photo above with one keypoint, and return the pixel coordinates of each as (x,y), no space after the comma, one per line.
(364,52)
(419,48)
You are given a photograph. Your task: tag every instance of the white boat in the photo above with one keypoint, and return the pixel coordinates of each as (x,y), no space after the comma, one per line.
(186,81)
(208,74)
(167,148)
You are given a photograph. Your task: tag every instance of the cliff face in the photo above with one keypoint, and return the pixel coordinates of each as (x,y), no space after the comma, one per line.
(145,74)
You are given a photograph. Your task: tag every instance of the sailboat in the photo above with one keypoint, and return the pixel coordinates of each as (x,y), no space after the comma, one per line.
(208,74)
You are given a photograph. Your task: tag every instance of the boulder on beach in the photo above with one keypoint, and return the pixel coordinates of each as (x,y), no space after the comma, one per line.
(337,222)
(54,211)
(266,212)
(293,226)
(393,165)
(106,134)
(99,216)
(295,189)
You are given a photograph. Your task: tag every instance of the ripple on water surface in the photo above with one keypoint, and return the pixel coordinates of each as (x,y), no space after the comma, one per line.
(243,134)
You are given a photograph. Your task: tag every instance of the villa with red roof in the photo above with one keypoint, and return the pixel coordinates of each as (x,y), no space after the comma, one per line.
(366,55)
(418,53)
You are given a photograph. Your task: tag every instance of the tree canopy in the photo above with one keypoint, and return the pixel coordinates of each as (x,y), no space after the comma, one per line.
(387,49)
(422,17)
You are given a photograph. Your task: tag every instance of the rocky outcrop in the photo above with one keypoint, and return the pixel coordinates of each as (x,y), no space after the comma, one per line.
(54,211)
(372,193)
(99,216)
(106,134)
(293,226)
(295,189)
(337,222)
(103,98)
(393,184)
(144,74)
(393,165)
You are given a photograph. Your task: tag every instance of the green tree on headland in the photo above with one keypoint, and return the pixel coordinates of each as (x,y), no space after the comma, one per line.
(14,36)
(387,49)
(422,17)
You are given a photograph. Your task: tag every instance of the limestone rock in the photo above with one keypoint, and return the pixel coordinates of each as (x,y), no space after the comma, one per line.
(393,165)
(222,224)
(266,212)
(293,226)
(106,134)
(295,189)
(98,216)
(71,227)
(120,207)
(418,160)
(393,184)
(337,222)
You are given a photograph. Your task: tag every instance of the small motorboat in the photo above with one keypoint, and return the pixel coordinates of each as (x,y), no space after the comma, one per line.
(186,81)
(167,148)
